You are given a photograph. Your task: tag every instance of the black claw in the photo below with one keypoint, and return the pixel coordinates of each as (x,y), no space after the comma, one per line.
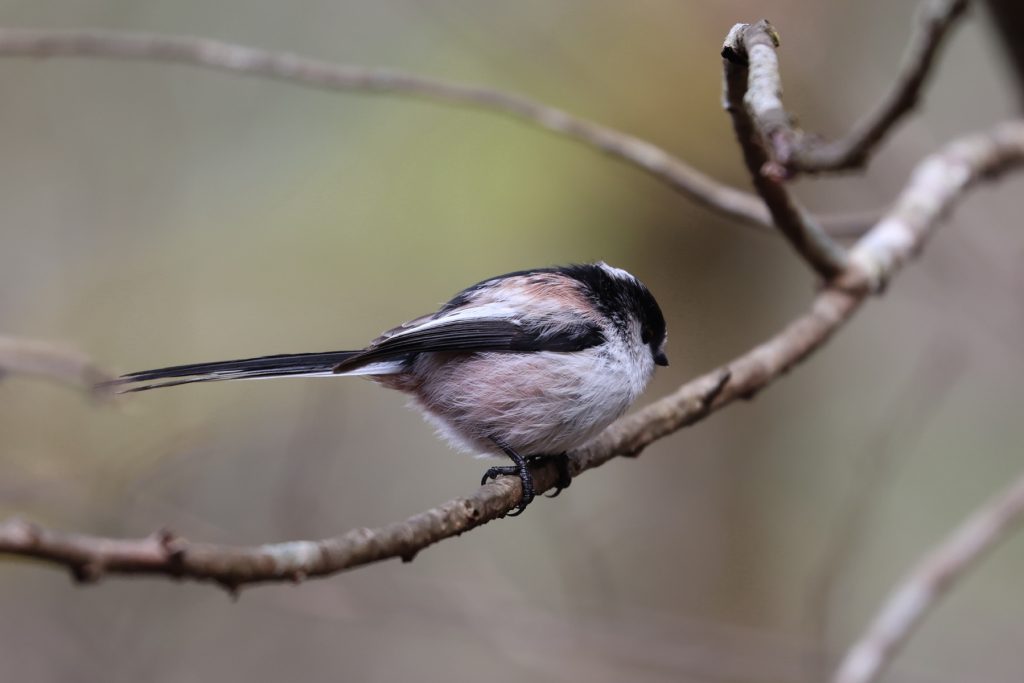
(564,475)
(526,479)
(520,468)
(495,472)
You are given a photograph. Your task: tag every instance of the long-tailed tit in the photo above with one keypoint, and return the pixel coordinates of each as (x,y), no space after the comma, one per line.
(530,364)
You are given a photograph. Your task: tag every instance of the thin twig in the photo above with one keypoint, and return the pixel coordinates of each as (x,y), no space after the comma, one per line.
(51,361)
(934,188)
(744,207)
(752,85)
(794,151)
(926,584)
(923,391)
(936,19)
(44,43)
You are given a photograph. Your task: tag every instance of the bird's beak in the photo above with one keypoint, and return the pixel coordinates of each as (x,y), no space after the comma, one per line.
(661,359)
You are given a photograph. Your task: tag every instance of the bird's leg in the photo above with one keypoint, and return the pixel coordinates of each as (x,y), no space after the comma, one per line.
(520,468)
(562,464)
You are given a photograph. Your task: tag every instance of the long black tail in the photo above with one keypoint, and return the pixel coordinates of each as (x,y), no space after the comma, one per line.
(283,365)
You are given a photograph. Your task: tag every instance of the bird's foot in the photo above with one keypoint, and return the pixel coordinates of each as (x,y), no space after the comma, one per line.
(520,468)
(562,464)
(525,478)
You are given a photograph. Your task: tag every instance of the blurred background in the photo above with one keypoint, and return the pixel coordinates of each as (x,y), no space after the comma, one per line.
(155,215)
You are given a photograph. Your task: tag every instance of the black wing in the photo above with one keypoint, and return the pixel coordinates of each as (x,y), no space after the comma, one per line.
(476,334)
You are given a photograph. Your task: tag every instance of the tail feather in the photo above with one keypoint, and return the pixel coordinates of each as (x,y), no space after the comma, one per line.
(281,365)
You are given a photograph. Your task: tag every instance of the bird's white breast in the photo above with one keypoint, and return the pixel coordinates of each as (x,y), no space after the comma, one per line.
(537,403)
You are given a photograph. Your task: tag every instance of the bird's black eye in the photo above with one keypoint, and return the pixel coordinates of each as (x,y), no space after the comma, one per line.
(645,335)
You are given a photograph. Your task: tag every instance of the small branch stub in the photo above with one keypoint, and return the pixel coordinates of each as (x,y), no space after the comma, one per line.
(752,98)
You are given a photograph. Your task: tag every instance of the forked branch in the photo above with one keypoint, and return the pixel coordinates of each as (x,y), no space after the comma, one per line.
(794,151)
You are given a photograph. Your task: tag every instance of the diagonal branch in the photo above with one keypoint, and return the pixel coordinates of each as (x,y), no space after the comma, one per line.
(928,582)
(51,361)
(937,18)
(752,85)
(794,151)
(212,54)
(937,184)
(928,385)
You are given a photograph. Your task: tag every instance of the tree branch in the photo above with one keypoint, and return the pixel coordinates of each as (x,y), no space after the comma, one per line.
(927,386)
(928,582)
(936,18)
(752,88)
(50,361)
(794,151)
(677,174)
(934,188)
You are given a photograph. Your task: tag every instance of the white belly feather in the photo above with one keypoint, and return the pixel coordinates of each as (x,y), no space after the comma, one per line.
(542,403)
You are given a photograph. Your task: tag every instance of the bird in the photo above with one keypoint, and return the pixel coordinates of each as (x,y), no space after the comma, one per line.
(530,364)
